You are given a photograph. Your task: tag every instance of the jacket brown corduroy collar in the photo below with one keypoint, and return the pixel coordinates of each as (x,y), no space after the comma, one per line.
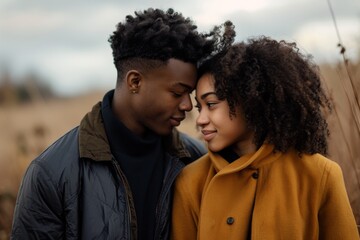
(93,142)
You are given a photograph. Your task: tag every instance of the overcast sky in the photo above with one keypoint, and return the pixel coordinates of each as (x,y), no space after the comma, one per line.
(65,42)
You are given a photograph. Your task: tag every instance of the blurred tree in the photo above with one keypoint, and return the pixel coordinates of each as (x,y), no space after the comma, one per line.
(31,88)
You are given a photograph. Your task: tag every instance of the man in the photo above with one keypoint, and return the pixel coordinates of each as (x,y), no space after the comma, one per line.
(112,177)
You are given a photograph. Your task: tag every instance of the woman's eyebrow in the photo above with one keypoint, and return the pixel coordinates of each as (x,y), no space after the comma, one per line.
(206,94)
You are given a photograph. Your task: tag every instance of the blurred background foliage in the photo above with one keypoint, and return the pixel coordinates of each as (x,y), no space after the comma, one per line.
(32,117)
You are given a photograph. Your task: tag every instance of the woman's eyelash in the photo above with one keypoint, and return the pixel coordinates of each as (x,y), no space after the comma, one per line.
(208,104)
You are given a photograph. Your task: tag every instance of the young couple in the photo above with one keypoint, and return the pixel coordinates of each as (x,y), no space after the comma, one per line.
(260,111)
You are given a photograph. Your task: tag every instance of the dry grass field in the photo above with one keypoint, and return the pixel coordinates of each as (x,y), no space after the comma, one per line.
(27,129)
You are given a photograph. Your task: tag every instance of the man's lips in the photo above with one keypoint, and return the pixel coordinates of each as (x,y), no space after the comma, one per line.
(208,134)
(175,121)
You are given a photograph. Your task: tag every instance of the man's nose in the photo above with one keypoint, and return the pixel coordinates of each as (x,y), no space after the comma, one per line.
(186,104)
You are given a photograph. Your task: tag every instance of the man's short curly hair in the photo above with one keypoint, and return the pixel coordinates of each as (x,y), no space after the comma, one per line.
(278,90)
(153,34)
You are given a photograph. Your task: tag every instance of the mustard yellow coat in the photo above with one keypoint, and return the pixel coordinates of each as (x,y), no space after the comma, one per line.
(264,195)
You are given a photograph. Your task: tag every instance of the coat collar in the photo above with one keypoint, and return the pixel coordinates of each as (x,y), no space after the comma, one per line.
(264,155)
(93,142)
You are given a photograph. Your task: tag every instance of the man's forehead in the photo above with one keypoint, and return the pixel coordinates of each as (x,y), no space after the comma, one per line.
(184,85)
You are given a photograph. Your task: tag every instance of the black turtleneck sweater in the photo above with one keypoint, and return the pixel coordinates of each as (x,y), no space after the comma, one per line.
(228,154)
(141,158)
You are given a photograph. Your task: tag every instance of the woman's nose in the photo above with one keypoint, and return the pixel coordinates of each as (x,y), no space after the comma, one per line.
(202,118)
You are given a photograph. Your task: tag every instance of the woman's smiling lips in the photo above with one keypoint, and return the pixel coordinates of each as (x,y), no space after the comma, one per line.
(208,134)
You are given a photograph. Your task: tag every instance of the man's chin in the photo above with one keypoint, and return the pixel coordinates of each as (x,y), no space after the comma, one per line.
(163,128)
(164,131)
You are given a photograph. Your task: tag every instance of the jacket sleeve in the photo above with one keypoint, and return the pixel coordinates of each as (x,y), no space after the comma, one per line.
(185,212)
(38,207)
(336,219)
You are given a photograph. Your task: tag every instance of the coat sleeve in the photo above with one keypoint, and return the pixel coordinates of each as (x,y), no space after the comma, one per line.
(336,219)
(184,214)
(38,207)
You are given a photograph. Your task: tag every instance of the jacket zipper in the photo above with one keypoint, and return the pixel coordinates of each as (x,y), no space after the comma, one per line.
(168,181)
(133,229)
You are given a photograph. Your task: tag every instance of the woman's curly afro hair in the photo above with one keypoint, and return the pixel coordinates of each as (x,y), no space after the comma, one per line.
(278,90)
(158,35)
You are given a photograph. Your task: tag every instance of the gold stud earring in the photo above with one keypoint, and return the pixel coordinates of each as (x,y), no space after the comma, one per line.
(134,91)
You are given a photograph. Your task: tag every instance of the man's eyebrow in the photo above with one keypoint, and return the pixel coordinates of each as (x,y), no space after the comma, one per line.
(185,86)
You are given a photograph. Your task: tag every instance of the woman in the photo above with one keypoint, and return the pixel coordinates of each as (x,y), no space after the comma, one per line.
(261,111)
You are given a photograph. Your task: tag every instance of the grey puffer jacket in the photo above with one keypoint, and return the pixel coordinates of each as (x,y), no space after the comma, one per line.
(76,190)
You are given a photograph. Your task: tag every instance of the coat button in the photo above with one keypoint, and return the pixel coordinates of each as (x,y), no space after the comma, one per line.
(255,175)
(230,220)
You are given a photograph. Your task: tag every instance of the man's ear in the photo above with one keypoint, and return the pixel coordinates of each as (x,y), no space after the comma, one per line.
(133,80)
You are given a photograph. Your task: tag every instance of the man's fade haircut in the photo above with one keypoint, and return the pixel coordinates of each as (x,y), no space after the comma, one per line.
(151,37)
(278,90)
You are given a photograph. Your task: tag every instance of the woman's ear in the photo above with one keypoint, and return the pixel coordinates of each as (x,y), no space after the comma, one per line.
(133,80)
